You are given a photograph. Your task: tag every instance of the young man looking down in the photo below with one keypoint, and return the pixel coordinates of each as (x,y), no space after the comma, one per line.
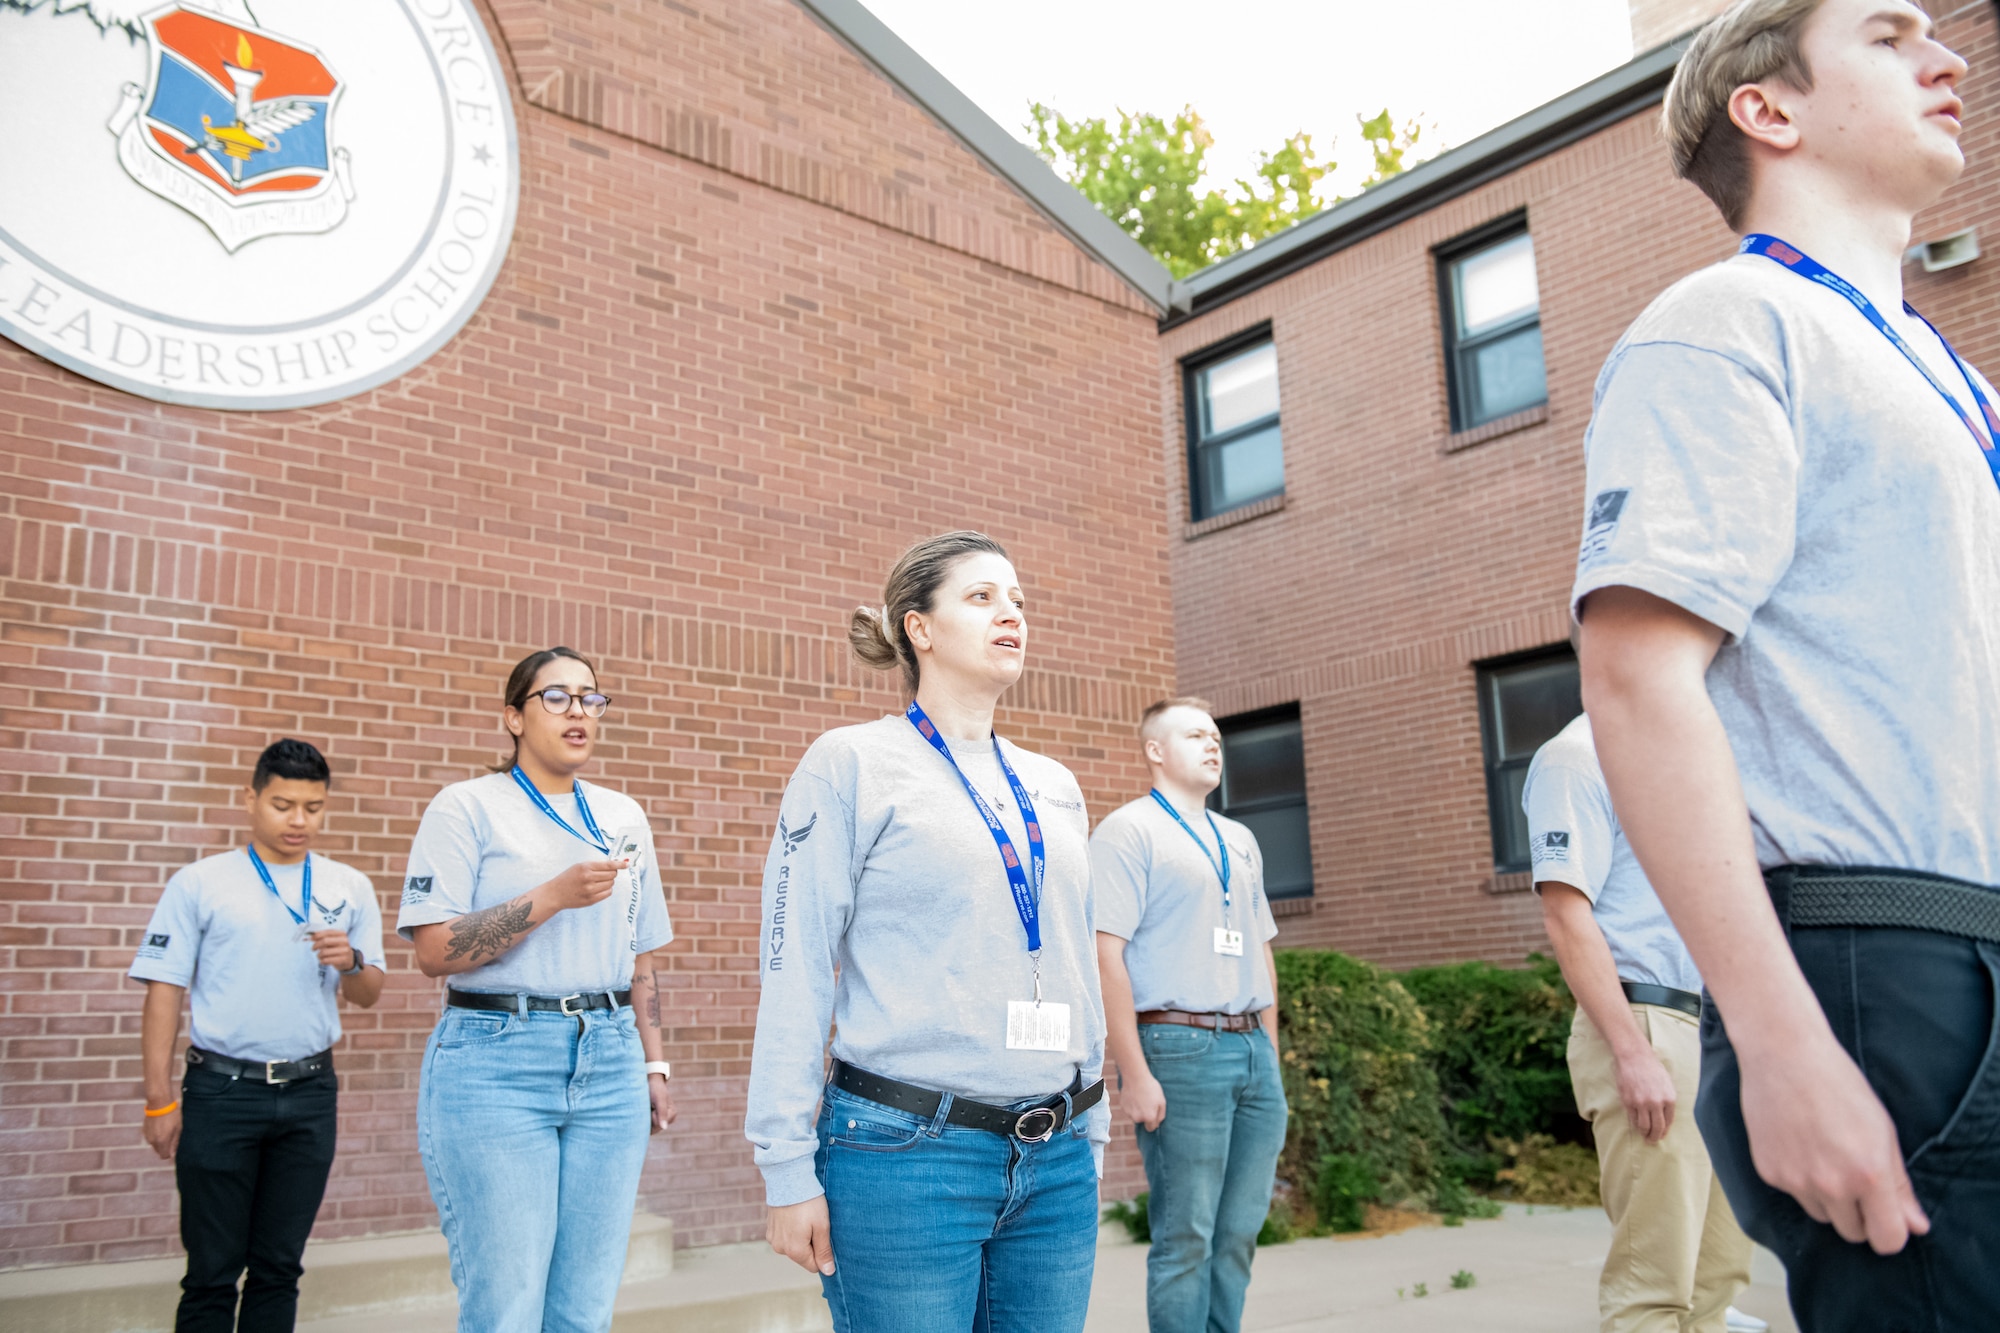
(259,940)
(1191,1016)
(1789,589)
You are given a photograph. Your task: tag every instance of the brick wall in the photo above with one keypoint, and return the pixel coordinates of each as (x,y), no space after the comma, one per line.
(713,394)
(1395,563)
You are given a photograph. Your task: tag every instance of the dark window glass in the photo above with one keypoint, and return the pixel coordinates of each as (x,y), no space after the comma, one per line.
(1521,705)
(1237,455)
(1493,328)
(1264,788)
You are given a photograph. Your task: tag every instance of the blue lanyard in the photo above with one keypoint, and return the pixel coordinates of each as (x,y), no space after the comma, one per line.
(305,878)
(1027,901)
(596,838)
(1221,871)
(1806,267)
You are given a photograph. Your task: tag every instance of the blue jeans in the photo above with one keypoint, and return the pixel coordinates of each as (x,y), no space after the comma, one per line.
(533,1130)
(942,1229)
(1210,1166)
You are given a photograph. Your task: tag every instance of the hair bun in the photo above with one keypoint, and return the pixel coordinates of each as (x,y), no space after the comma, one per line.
(868,636)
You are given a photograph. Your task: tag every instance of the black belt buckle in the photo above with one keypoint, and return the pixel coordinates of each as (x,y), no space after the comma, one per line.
(1021,1125)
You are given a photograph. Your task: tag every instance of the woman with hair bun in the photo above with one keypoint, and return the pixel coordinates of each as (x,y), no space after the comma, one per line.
(928,893)
(537,894)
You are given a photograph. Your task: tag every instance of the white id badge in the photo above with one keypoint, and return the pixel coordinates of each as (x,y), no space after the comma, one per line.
(1229,941)
(1037,1027)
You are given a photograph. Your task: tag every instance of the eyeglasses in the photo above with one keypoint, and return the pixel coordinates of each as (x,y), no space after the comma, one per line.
(557,700)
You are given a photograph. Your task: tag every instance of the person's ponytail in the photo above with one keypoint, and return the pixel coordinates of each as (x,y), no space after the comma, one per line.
(868,636)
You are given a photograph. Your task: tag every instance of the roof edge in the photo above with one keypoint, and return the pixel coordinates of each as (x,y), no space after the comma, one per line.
(1070,213)
(1577,114)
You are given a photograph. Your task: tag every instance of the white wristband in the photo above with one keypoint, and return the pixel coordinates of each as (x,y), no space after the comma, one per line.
(660,1067)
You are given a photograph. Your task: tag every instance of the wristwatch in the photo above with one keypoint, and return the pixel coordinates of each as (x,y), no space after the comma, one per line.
(660,1067)
(359,962)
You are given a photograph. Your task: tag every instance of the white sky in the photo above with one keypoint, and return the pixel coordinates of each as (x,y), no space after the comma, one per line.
(1257,70)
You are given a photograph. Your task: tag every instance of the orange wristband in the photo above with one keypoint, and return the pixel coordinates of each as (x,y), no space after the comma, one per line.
(168,1109)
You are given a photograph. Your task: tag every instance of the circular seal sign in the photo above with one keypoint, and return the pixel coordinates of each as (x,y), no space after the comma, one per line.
(249,206)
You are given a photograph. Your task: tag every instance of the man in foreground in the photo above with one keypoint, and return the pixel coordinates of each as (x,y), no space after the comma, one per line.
(1677,1256)
(259,940)
(1191,1017)
(1789,589)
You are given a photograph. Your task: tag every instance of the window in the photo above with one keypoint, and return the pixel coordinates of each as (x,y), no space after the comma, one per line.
(1493,327)
(1264,788)
(1522,704)
(1234,452)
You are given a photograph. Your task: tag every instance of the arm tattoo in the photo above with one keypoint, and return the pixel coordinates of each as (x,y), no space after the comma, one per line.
(653,1000)
(491,932)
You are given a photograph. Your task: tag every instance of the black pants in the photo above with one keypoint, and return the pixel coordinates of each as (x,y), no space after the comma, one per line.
(1916,1010)
(252,1167)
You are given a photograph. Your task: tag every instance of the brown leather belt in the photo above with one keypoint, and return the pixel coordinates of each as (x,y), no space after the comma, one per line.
(1219,1022)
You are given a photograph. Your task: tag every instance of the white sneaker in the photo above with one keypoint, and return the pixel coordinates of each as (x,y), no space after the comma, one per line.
(1738,1322)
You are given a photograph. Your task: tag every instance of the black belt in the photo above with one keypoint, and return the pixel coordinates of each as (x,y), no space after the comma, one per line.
(1037,1124)
(1644,992)
(564,1004)
(264,1071)
(1808,896)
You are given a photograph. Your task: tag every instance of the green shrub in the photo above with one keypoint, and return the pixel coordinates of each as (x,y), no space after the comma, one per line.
(1498,1040)
(1544,1171)
(1277,1228)
(1344,1188)
(1356,1060)
(1133,1216)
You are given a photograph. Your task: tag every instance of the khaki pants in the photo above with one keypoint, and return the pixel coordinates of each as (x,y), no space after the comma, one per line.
(1677,1256)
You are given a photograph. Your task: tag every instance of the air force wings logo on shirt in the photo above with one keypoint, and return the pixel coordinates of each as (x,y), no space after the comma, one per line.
(792,837)
(1554,847)
(236,127)
(416,888)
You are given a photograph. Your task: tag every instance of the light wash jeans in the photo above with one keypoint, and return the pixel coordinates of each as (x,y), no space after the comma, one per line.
(533,1130)
(942,1229)
(1210,1166)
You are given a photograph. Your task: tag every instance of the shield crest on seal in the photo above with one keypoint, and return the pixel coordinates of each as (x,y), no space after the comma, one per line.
(236,127)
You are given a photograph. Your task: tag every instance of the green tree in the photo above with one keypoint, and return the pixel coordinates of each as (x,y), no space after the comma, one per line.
(1144,172)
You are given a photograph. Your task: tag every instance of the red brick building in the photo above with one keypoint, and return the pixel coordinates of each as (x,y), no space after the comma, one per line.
(778,301)
(765,320)
(1391,598)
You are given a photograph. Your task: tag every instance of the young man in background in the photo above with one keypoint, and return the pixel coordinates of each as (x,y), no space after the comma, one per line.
(1789,589)
(1191,1017)
(1677,1257)
(259,940)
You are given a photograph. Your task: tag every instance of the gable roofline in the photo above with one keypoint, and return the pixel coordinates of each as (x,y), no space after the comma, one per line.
(1016,163)
(1577,114)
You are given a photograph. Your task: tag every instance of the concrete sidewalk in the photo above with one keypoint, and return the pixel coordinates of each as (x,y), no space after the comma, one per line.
(1535,1271)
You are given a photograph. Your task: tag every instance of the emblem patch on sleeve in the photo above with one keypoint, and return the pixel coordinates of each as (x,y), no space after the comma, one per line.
(1605,512)
(416,888)
(155,946)
(1554,847)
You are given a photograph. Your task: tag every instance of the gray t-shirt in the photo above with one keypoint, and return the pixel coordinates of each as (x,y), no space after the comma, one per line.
(484,842)
(1160,892)
(883,869)
(1763,457)
(1576,840)
(256,990)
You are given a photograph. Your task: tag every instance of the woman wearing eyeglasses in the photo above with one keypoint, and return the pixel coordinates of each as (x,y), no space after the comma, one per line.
(928,892)
(539,896)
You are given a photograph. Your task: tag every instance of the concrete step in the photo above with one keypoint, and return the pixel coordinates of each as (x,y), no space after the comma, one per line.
(358,1279)
(718,1289)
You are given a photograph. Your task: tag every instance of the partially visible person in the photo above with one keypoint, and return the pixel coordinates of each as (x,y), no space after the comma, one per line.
(538,894)
(1191,1014)
(928,894)
(259,940)
(1789,588)
(1677,1257)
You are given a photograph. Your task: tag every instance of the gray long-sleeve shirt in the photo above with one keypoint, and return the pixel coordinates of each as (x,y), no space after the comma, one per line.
(883,869)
